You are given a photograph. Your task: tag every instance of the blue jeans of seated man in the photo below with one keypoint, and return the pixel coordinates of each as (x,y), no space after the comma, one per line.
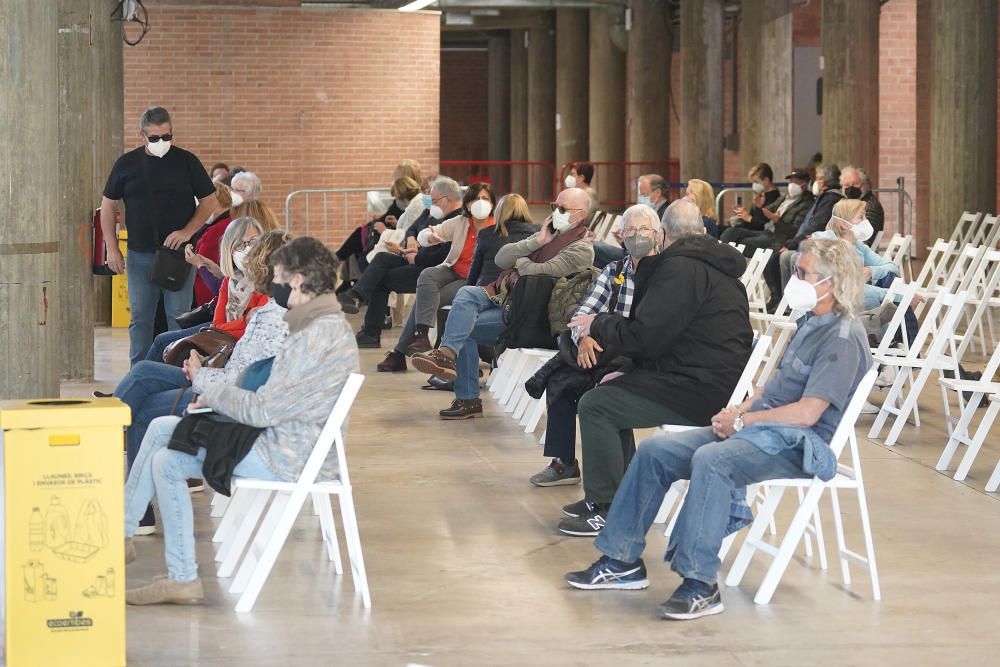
(143,297)
(161,342)
(715,469)
(474,320)
(163,473)
(150,388)
(605,253)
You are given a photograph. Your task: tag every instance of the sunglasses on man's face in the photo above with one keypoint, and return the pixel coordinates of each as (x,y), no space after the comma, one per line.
(153,138)
(563,209)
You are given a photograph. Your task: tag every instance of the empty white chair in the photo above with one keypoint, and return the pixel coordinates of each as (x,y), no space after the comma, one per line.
(936,332)
(965,230)
(848,477)
(286,499)
(978,390)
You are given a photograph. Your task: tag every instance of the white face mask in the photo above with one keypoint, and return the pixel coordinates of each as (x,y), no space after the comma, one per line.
(863,230)
(158,148)
(436,212)
(758,188)
(560,221)
(794,190)
(570,181)
(480,209)
(240,260)
(236,197)
(801,294)
(815,189)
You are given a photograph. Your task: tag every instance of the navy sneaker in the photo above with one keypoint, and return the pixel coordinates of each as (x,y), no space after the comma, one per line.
(692,599)
(608,573)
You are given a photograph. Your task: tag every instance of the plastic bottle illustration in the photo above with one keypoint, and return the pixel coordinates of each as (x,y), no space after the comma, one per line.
(57,525)
(109,582)
(51,588)
(36,530)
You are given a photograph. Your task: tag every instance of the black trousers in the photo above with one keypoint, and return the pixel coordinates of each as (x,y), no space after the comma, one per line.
(560,429)
(399,279)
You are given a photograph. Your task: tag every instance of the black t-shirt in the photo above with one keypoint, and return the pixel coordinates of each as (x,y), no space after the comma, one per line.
(162,200)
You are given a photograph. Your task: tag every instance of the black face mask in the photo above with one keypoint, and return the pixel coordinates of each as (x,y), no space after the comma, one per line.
(852,192)
(280,293)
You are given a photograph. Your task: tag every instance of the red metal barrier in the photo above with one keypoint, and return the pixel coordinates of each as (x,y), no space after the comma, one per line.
(532,180)
(615,181)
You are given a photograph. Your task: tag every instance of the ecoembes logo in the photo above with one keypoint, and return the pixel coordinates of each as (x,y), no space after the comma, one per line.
(76,619)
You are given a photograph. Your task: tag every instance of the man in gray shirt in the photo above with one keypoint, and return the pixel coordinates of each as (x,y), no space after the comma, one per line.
(783,433)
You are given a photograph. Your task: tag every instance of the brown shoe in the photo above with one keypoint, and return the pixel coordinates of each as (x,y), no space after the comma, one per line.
(129,550)
(420,343)
(394,362)
(440,362)
(167,591)
(196,485)
(463,409)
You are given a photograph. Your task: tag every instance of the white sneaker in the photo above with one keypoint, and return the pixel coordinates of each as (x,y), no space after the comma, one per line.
(886,377)
(870,409)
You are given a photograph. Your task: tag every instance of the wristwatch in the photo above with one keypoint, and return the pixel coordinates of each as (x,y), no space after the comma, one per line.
(738,423)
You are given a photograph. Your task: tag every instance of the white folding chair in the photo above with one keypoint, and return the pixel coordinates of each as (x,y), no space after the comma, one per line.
(753,279)
(936,332)
(286,499)
(935,267)
(958,277)
(983,288)
(965,230)
(978,390)
(898,252)
(986,230)
(848,477)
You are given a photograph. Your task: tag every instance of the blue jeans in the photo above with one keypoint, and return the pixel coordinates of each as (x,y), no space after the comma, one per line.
(715,469)
(474,320)
(161,342)
(605,253)
(143,297)
(163,473)
(150,388)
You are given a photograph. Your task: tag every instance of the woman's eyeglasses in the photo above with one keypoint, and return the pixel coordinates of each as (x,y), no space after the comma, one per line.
(801,273)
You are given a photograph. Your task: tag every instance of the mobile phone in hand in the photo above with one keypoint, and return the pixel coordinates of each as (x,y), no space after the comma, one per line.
(199,411)
(739,200)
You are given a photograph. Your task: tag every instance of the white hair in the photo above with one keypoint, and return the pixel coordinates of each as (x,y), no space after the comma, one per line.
(640,211)
(248,182)
(447,187)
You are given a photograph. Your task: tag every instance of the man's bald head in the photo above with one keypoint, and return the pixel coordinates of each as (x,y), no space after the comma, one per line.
(680,220)
(577,202)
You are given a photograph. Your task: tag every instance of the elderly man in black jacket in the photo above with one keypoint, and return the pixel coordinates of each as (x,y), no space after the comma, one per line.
(688,338)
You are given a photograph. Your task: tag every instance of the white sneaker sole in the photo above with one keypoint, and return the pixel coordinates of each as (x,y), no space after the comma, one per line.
(566,481)
(630,586)
(145,530)
(712,611)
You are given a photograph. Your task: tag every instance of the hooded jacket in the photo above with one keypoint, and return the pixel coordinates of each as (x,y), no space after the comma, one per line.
(689,334)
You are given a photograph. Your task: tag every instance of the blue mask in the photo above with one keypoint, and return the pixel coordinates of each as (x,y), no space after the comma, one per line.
(427,201)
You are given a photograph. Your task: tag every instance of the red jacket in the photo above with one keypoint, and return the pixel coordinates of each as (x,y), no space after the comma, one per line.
(238,326)
(208,246)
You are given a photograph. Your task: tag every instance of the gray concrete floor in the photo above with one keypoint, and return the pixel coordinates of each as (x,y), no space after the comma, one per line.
(465,565)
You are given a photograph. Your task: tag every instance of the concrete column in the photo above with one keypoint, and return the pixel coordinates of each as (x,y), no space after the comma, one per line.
(963,146)
(29,237)
(850,83)
(767,85)
(650,49)
(498,107)
(572,85)
(607,104)
(701,103)
(541,104)
(75,178)
(518,108)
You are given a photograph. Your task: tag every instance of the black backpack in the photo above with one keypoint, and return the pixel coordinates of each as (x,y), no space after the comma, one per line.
(526,314)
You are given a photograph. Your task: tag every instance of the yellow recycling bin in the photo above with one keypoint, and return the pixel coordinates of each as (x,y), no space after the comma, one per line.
(63,516)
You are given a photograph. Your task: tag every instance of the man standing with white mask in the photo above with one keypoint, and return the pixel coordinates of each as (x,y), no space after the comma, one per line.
(169,197)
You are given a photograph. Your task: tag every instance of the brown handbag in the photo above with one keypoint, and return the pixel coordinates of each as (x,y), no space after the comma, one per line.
(214,346)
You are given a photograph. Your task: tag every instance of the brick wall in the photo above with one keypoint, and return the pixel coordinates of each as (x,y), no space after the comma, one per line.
(306,98)
(464,100)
